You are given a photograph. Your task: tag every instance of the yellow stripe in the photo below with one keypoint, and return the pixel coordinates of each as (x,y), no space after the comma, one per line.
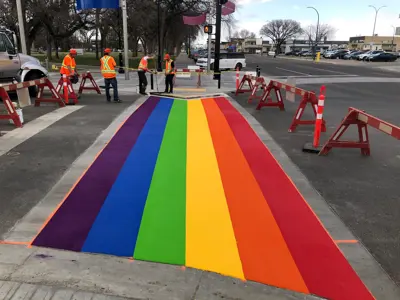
(210,240)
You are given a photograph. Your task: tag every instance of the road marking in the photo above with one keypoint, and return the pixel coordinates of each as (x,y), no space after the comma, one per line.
(330,71)
(20,135)
(293,71)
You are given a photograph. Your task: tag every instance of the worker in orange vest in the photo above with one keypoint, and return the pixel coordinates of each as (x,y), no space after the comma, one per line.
(68,66)
(142,69)
(169,74)
(107,68)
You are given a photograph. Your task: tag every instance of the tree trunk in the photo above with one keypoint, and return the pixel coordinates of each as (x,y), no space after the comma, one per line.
(97,31)
(49,56)
(56,46)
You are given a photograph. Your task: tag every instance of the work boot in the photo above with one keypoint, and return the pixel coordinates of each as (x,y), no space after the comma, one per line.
(118,101)
(108,100)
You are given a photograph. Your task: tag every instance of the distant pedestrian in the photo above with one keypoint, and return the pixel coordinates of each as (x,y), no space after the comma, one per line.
(107,68)
(169,74)
(142,69)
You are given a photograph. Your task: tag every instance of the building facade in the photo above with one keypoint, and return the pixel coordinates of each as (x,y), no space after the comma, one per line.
(250,45)
(298,44)
(387,43)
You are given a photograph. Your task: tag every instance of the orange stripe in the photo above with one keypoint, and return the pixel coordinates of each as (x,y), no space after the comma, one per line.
(346,241)
(73,187)
(263,251)
(13,243)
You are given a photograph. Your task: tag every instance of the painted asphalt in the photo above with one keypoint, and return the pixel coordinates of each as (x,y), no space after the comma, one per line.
(363,191)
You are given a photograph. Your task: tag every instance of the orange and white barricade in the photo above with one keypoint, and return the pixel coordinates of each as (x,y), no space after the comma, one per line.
(68,93)
(40,83)
(94,87)
(260,84)
(361,119)
(308,97)
(246,79)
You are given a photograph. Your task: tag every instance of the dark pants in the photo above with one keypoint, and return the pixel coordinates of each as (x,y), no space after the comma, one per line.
(169,83)
(114,84)
(142,81)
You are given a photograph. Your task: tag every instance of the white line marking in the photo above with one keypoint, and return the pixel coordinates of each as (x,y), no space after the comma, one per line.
(20,135)
(329,71)
(293,71)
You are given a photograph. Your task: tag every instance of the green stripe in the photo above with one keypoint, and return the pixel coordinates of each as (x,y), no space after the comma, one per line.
(162,231)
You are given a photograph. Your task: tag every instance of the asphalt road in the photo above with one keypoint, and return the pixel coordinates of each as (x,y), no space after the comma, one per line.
(289,67)
(363,191)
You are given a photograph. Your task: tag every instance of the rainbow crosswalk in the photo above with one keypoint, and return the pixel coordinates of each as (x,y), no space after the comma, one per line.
(188,182)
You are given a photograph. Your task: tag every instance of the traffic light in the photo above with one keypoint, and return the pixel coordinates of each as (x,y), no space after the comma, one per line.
(223,2)
(208,29)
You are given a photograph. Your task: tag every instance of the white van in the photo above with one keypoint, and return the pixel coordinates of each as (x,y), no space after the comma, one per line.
(227,61)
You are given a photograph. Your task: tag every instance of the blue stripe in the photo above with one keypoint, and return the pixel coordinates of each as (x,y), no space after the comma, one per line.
(116,227)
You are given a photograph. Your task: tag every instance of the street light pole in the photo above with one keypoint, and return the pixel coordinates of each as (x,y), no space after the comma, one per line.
(317,31)
(159,68)
(376,15)
(394,32)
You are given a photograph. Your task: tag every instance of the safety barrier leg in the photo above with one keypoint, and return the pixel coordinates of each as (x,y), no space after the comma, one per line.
(307,98)
(56,98)
(363,138)
(11,112)
(94,86)
(266,100)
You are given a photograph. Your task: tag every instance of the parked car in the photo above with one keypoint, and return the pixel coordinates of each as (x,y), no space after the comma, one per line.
(293,52)
(328,53)
(339,54)
(308,53)
(383,56)
(365,55)
(232,60)
(300,53)
(352,55)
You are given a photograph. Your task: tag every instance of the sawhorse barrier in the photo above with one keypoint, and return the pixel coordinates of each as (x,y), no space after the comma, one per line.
(41,83)
(308,97)
(362,120)
(94,86)
(68,90)
(246,79)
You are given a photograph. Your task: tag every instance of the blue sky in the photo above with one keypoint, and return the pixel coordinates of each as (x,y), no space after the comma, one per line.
(349,18)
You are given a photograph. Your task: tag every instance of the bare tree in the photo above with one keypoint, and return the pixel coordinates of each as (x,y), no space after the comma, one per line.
(281,30)
(244,34)
(325,31)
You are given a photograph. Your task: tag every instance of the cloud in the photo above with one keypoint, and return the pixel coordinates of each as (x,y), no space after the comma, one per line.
(296,7)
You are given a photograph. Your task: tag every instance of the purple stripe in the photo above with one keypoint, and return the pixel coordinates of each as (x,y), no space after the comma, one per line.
(71,224)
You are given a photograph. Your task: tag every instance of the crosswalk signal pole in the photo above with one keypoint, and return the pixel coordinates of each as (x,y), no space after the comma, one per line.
(217,75)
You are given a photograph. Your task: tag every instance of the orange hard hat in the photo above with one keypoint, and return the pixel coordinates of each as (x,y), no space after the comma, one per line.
(72,51)
(166,56)
(107,50)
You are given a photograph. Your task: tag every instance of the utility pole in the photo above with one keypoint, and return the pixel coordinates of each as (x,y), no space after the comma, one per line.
(21,26)
(125,30)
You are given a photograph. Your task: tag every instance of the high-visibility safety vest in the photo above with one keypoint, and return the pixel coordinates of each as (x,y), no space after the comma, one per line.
(108,66)
(143,63)
(168,67)
(68,61)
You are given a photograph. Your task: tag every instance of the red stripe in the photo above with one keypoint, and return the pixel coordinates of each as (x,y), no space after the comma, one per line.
(324,269)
